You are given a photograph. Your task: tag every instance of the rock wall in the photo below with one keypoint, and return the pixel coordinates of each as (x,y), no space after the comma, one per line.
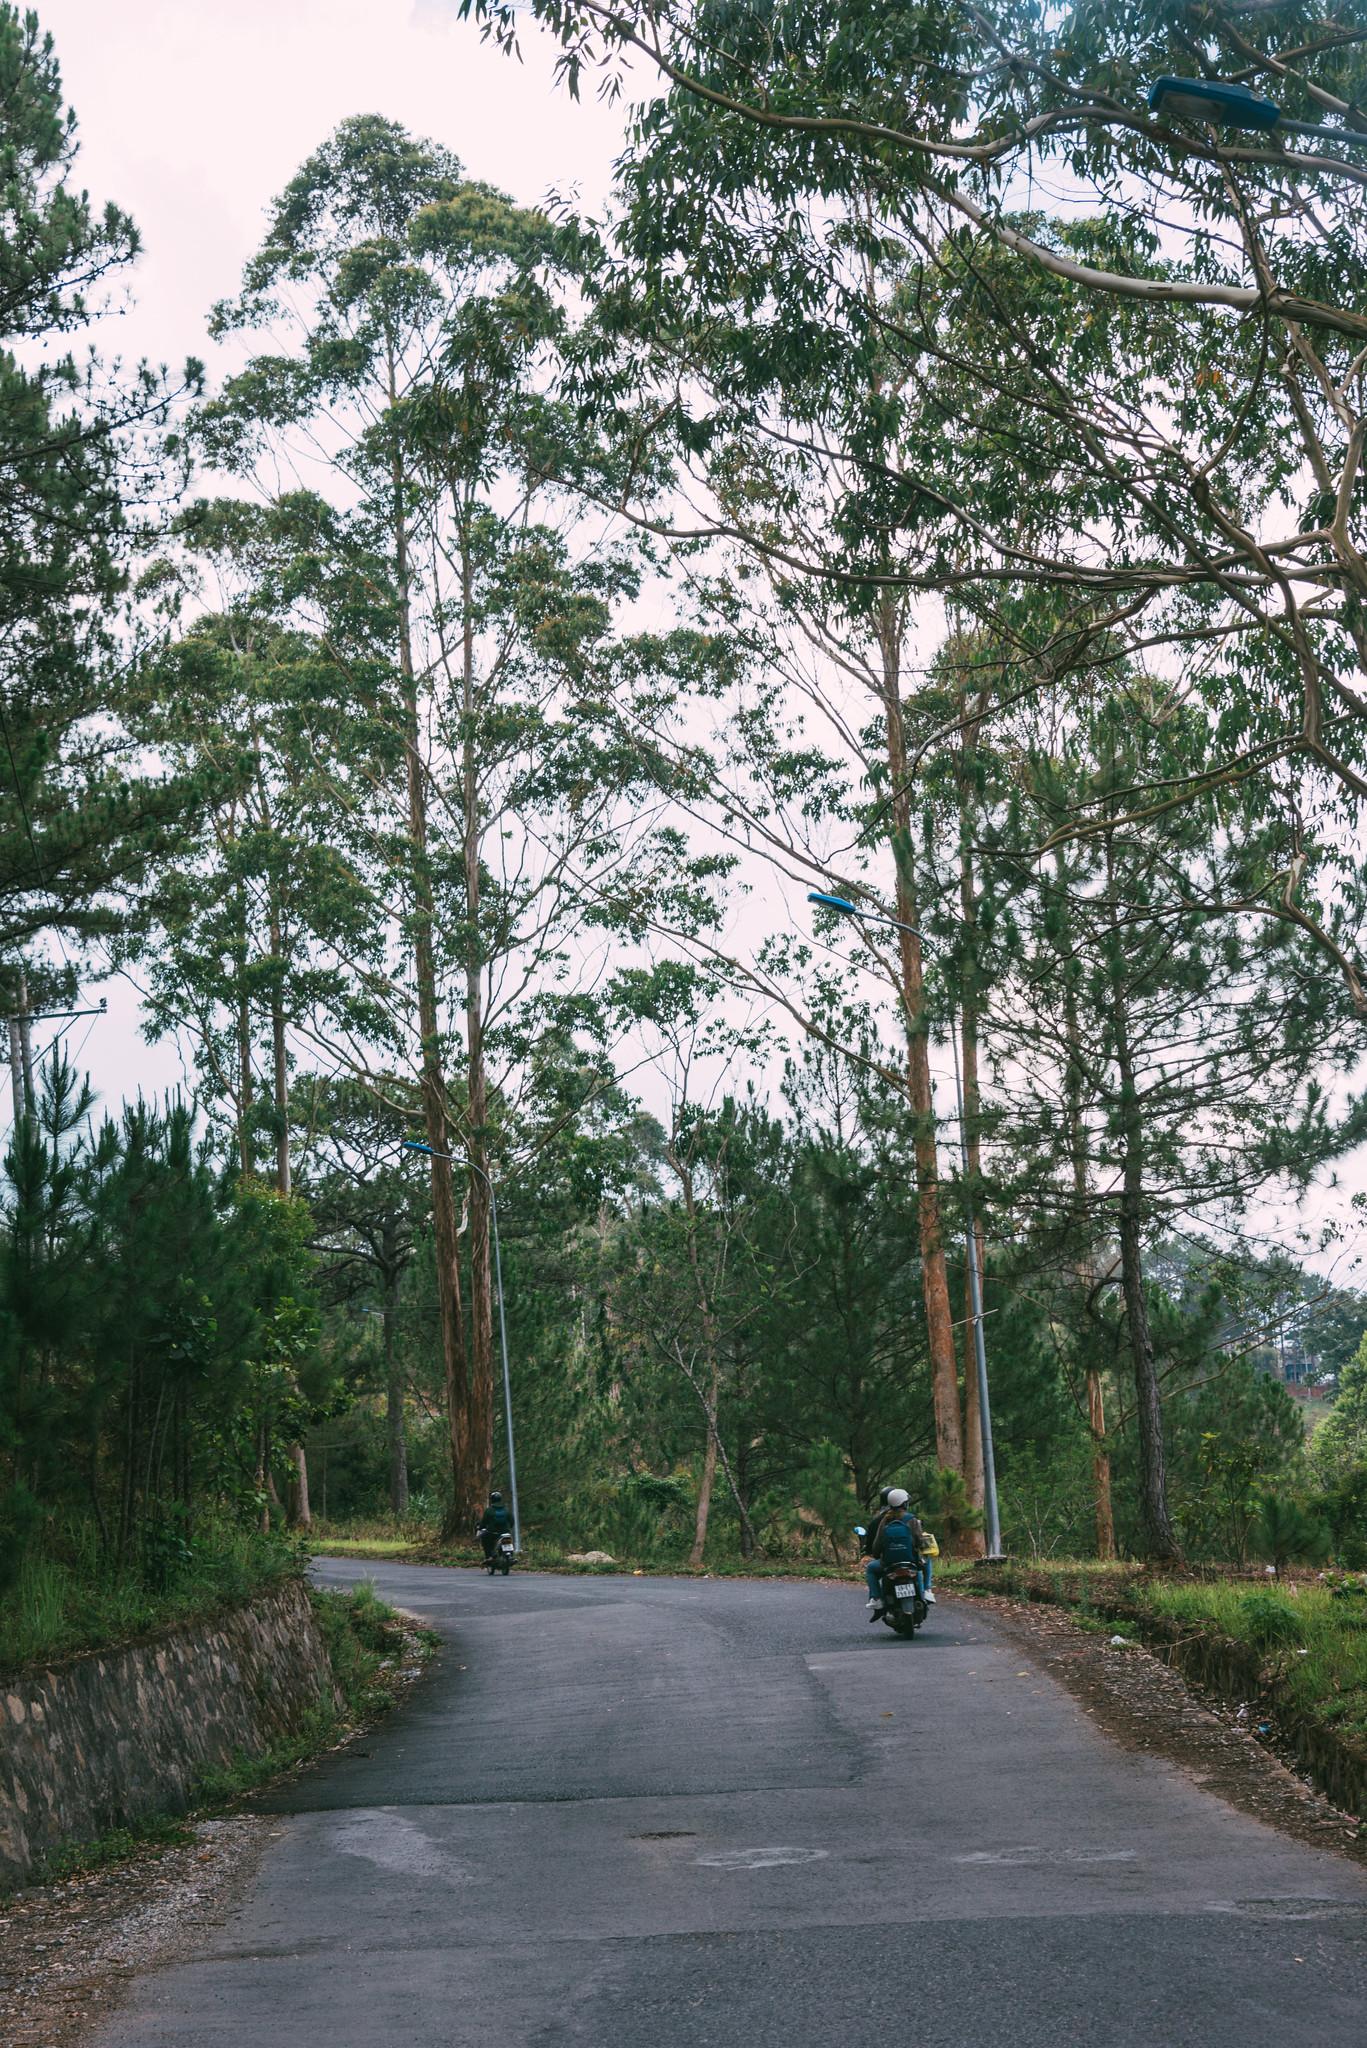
(105,1740)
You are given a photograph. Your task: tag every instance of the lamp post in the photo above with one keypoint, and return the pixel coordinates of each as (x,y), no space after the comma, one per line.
(1224,105)
(415,1145)
(843,906)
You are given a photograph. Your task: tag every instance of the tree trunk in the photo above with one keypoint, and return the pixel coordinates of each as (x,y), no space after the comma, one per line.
(709,1471)
(1077,1147)
(245,1085)
(282,1097)
(1101,1466)
(445,1231)
(1160,1538)
(975,1474)
(395,1425)
(297,1513)
(949,1446)
(300,1516)
(480,1416)
(711,1351)
(747,1534)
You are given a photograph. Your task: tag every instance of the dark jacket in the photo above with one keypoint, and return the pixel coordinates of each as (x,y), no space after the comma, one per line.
(495,1521)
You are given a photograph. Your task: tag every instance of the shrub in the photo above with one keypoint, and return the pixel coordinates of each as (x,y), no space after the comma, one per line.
(1267,1621)
(1285,1533)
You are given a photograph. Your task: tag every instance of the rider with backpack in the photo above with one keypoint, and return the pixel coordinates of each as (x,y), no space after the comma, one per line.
(898,1538)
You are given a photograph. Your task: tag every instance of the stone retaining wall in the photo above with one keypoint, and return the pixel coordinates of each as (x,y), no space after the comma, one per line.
(105,1740)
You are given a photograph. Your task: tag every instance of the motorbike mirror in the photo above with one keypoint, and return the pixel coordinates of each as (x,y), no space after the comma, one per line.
(860,1530)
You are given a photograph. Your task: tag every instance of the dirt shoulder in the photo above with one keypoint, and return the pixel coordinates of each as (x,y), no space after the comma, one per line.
(67,1947)
(1139,1701)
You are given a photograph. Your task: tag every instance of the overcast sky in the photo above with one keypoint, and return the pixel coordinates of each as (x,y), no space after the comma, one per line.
(192,117)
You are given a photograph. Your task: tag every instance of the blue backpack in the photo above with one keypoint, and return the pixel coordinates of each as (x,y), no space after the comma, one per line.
(899,1541)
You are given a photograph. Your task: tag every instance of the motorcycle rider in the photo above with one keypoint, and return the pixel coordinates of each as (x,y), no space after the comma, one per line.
(493,1523)
(897,1539)
(874,1571)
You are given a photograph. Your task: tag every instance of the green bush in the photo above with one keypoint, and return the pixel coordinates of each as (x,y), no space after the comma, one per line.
(1286,1533)
(1268,1621)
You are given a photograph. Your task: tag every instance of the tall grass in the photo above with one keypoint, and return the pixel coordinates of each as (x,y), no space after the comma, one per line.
(65,1597)
(1310,1634)
(1315,1635)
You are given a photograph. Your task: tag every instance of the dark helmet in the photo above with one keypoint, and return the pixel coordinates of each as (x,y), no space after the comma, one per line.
(495,1495)
(883,1493)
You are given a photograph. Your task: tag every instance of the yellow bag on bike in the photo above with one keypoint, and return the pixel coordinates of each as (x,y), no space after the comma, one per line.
(929,1547)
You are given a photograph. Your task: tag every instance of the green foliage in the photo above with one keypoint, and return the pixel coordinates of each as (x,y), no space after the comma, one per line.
(1047,1502)
(425,800)
(159,1831)
(824,1486)
(1285,1533)
(949,1509)
(77,458)
(1268,1622)
(158,1336)
(70,1596)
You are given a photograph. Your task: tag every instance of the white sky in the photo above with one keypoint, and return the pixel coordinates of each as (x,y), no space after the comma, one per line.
(193,116)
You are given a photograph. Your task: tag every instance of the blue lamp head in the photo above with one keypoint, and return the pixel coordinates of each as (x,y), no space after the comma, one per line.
(415,1145)
(1210,99)
(841,903)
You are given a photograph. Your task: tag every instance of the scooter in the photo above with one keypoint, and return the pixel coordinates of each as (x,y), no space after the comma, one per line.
(500,1558)
(904,1607)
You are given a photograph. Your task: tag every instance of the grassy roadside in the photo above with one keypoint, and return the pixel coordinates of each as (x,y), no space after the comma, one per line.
(65,1599)
(1304,1639)
(374,1653)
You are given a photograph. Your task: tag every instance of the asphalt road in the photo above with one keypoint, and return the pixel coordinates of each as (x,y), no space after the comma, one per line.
(651,1813)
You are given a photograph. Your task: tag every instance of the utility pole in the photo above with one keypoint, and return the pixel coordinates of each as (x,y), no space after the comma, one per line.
(20,1024)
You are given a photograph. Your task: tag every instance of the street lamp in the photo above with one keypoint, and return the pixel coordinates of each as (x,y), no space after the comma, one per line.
(1234,106)
(415,1145)
(843,906)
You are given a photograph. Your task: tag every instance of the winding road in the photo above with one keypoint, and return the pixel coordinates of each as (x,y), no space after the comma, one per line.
(654,1813)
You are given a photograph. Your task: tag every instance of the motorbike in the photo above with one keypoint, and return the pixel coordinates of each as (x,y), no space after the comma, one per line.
(500,1558)
(904,1607)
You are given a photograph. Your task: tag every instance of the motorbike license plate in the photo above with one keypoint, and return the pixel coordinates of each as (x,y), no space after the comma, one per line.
(906,1592)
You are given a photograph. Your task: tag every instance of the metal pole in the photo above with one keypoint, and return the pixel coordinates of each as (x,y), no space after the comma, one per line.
(975,1302)
(1355,138)
(503,1338)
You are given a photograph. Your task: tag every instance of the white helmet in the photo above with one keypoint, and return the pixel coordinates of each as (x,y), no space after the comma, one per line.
(898,1498)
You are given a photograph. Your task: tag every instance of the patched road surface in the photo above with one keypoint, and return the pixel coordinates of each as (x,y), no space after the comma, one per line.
(653,1813)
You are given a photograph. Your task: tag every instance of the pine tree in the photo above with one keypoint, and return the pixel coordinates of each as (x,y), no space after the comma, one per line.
(78,464)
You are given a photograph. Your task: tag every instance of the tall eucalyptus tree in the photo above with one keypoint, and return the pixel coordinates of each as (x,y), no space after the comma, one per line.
(416,319)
